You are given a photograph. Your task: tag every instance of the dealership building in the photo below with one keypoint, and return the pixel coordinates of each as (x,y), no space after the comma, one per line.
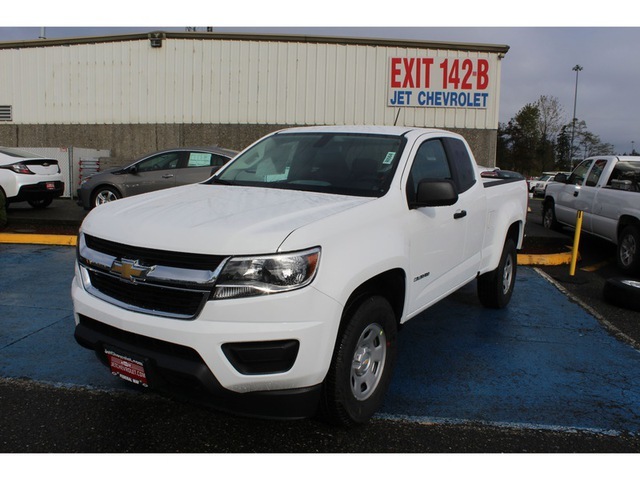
(127,95)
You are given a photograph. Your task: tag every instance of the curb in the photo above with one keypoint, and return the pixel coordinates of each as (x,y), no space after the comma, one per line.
(71,240)
(37,239)
(545,259)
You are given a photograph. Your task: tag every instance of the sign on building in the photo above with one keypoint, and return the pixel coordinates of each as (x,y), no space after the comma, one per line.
(439,82)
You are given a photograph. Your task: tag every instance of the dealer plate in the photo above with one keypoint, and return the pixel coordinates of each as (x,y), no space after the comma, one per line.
(127,368)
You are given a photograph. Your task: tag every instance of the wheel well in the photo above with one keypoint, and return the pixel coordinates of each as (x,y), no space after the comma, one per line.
(514,232)
(390,285)
(626,220)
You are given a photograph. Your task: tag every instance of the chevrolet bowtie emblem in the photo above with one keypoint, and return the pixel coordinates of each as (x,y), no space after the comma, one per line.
(130,270)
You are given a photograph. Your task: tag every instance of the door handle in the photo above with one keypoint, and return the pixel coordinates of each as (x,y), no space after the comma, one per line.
(460,214)
(575,194)
(167,175)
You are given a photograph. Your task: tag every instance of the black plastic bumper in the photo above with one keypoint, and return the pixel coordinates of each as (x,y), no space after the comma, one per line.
(39,191)
(180,370)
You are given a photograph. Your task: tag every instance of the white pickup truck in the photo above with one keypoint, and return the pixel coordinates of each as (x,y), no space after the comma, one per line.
(277,287)
(607,190)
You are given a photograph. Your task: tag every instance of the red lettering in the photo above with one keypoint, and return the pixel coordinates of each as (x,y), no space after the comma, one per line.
(395,72)
(467,67)
(426,63)
(408,78)
(482,79)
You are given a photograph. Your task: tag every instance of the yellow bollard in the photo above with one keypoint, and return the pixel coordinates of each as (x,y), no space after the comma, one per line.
(576,242)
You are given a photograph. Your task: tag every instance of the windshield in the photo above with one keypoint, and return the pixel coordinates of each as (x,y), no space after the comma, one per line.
(347,164)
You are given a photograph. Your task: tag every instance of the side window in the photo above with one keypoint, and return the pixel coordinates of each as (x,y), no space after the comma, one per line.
(595,173)
(218,160)
(625,176)
(430,163)
(163,161)
(577,177)
(199,159)
(465,173)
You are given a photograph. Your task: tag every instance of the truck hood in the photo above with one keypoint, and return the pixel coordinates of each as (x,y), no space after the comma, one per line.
(214,219)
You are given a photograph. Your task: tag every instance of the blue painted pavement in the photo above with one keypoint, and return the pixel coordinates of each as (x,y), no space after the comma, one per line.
(542,362)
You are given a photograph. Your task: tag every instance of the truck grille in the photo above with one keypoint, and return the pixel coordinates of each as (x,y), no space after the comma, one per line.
(163,283)
(150,297)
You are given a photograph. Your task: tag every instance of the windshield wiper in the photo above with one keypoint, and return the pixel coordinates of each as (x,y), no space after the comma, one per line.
(219,181)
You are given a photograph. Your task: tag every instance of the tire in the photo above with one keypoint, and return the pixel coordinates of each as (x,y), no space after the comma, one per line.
(3,209)
(623,292)
(40,203)
(495,288)
(629,249)
(102,195)
(362,363)
(549,220)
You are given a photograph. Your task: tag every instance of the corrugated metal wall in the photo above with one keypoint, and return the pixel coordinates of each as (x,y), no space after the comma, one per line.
(199,81)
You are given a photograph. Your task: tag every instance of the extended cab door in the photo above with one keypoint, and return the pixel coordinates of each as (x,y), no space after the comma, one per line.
(444,242)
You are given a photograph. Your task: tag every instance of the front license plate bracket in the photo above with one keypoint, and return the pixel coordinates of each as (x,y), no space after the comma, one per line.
(127,367)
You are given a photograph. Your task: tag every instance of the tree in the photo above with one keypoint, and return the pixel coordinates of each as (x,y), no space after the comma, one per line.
(562,148)
(537,139)
(551,120)
(521,137)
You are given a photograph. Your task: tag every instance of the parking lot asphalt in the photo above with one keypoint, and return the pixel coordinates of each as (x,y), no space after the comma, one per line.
(544,364)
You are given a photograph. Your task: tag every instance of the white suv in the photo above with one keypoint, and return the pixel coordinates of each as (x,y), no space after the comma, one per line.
(28,177)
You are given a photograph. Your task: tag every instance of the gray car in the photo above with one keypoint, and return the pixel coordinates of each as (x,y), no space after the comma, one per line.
(164,169)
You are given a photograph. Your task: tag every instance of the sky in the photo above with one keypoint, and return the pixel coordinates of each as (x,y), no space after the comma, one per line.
(544,46)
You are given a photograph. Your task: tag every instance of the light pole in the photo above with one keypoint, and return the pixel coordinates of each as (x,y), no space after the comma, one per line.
(576,69)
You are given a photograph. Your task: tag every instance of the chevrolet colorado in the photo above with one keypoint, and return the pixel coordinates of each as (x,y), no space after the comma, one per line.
(277,287)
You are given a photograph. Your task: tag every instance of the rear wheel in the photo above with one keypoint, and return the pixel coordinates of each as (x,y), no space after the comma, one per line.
(40,202)
(623,292)
(104,195)
(629,249)
(362,363)
(495,288)
(549,220)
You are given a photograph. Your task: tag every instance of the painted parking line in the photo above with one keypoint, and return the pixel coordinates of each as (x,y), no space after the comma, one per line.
(542,362)
(38,239)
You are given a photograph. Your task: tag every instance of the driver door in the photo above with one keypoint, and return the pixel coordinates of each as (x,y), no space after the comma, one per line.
(437,235)
(153,173)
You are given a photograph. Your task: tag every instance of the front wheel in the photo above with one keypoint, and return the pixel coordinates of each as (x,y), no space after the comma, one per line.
(362,363)
(629,249)
(104,195)
(496,287)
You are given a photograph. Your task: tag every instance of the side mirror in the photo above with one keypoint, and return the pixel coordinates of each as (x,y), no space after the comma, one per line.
(561,178)
(435,193)
(133,169)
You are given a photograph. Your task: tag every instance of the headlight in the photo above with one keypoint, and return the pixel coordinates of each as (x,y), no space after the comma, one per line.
(264,275)
(86,179)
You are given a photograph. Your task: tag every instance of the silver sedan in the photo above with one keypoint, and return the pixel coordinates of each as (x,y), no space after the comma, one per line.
(164,169)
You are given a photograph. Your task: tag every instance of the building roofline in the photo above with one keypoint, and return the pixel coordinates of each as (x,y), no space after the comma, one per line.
(477,47)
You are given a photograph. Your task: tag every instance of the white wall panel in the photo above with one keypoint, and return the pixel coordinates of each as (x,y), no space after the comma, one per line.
(221,81)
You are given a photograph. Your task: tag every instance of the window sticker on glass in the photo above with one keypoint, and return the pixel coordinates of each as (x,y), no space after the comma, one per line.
(388,160)
(199,159)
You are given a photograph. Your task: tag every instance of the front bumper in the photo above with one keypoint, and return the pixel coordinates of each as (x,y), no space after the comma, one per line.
(298,330)
(84,198)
